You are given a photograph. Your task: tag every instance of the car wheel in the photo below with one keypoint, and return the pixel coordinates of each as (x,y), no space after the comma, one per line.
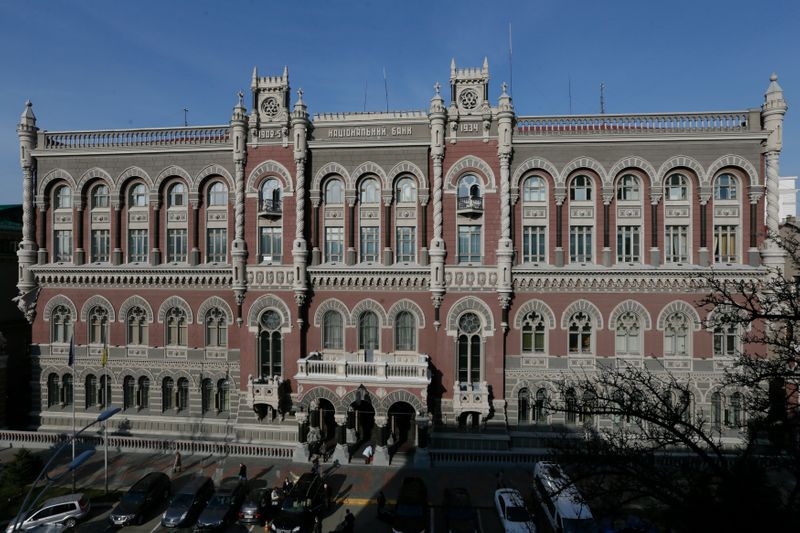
(70,523)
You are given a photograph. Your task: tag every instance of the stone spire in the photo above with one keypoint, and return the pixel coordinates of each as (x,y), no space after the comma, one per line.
(505,246)
(437,116)
(239,246)
(772,114)
(26,255)
(300,125)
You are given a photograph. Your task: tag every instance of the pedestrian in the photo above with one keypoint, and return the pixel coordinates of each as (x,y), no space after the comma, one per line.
(242,472)
(317,525)
(367,453)
(349,521)
(315,466)
(381,504)
(176,466)
(327,488)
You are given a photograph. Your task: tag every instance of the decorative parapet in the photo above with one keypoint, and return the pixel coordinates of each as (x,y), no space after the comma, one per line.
(639,124)
(120,276)
(264,391)
(201,136)
(387,369)
(471,398)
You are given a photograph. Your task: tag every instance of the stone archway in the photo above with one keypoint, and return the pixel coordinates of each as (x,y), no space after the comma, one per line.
(402,427)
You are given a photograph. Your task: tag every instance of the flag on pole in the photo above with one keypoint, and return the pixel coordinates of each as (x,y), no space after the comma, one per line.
(105,355)
(71,360)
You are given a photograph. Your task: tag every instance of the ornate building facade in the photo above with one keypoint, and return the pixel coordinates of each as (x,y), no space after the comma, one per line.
(391,276)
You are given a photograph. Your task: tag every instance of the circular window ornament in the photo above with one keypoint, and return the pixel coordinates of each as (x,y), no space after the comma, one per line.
(270,320)
(469,323)
(468,99)
(270,107)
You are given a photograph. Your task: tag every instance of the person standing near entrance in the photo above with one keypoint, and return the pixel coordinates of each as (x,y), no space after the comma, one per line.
(242,472)
(367,453)
(176,466)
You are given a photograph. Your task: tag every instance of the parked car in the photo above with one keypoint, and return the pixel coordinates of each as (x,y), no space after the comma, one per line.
(223,507)
(256,507)
(411,513)
(141,499)
(188,501)
(305,500)
(513,514)
(65,510)
(460,516)
(563,505)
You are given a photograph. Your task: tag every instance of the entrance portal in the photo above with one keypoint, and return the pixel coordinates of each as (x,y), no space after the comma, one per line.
(362,421)
(327,423)
(402,426)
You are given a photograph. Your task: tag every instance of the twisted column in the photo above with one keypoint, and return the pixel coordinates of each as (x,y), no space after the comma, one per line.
(300,199)
(773,196)
(239,207)
(437,197)
(505,197)
(28,223)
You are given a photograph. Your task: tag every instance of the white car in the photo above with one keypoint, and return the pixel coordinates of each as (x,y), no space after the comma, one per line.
(513,514)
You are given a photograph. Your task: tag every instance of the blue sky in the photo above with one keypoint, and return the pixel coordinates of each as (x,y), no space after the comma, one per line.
(93,65)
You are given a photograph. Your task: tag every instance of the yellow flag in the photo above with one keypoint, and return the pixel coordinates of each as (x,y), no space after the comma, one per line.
(105,355)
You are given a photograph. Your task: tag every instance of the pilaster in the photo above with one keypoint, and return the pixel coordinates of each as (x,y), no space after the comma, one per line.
(436,117)
(239,246)
(27,256)
(772,114)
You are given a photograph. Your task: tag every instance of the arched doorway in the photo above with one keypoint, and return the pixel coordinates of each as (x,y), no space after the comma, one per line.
(402,426)
(469,421)
(327,422)
(361,419)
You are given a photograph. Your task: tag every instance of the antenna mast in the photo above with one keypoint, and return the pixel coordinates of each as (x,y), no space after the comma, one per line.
(602,98)
(510,64)
(386,89)
(569,89)
(185,117)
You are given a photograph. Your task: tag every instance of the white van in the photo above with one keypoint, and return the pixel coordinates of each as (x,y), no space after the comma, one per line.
(64,510)
(562,503)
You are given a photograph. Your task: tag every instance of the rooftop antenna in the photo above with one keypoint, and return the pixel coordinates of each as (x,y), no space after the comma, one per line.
(365,95)
(185,117)
(386,89)
(569,90)
(510,64)
(602,98)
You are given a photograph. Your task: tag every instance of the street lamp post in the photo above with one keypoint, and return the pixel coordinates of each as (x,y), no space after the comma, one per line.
(76,462)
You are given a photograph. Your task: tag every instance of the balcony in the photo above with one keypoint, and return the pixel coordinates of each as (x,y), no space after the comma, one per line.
(270,208)
(471,206)
(471,397)
(264,391)
(386,369)
(128,139)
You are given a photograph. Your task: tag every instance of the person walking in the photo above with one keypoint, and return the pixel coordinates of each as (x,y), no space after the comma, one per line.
(367,453)
(381,504)
(242,472)
(327,488)
(349,522)
(317,525)
(176,466)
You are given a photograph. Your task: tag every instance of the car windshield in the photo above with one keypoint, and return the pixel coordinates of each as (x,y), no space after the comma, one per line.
(292,505)
(578,525)
(182,500)
(220,500)
(407,510)
(517,514)
(256,495)
(133,498)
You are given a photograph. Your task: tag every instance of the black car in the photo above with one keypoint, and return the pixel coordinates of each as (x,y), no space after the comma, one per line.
(142,498)
(459,513)
(411,512)
(305,501)
(256,507)
(223,507)
(188,501)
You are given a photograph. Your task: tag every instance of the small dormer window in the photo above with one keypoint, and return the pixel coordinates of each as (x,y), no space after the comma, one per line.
(725,187)
(406,190)
(333,192)
(218,194)
(177,195)
(100,197)
(138,197)
(63,197)
(676,187)
(580,189)
(534,190)
(628,188)
(370,192)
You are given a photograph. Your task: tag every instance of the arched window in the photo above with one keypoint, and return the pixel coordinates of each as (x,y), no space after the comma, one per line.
(223,396)
(406,190)
(217,194)
(176,327)
(580,334)
(628,334)
(90,391)
(138,196)
(580,188)
(676,187)
(726,340)
(589,406)
(270,350)
(63,198)
(539,408)
(167,394)
(523,406)
(333,192)
(533,333)
(628,188)
(104,392)
(100,196)
(332,334)
(143,393)
(183,394)
(176,197)
(66,389)
(725,187)
(570,406)
(137,326)
(61,324)
(534,190)
(716,410)
(469,348)
(367,331)
(405,332)
(469,186)
(737,412)
(206,395)
(370,192)
(271,195)
(98,325)
(128,392)
(53,390)
(676,335)
(216,328)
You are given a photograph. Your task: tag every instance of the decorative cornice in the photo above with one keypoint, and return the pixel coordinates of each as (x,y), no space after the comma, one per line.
(116,277)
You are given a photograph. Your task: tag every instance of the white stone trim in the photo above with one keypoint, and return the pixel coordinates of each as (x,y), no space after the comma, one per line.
(634,307)
(678,306)
(135,301)
(476,305)
(57,300)
(463,166)
(55,175)
(368,167)
(405,305)
(680,161)
(326,170)
(269,168)
(732,160)
(331,304)
(95,301)
(582,306)
(535,305)
(175,301)
(407,167)
(95,172)
(367,304)
(170,171)
(264,302)
(578,163)
(211,170)
(633,162)
(212,302)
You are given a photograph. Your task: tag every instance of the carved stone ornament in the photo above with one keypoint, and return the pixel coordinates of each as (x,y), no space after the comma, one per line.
(26,302)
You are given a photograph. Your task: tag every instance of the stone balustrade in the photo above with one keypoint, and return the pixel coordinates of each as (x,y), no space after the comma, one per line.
(350,367)
(471,397)
(135,138)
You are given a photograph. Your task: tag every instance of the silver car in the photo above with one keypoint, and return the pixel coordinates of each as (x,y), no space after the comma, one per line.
(64,510)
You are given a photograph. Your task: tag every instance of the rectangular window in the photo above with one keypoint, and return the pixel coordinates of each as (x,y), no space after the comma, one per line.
(406,244)
(369,244)
(62,245)
(334,244)
(101,243)
(580,244)
(725,244)
(176,246)
(217,245)
(628,244)
(469,244)
(271,245)
(137,246)
(533,244)
(676,244)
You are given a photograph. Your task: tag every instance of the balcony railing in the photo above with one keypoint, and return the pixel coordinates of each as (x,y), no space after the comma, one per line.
(136,138)
(470,205)
(635,124)
(270,207)
(347,368)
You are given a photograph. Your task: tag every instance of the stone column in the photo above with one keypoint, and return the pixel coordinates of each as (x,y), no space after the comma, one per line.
(194,256)
(388,258)
(116,255)
(350,254)
(155,254)
(26,254)
(423,225)
(239,245)
(753,255)
(608,196)
(80,254)
(436,118)
(381,457)
(42,252)
(341,452)
(299,246)
(772,113)
(560,196)
(301,454)
(655,254)
(704,257)
(316,255)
